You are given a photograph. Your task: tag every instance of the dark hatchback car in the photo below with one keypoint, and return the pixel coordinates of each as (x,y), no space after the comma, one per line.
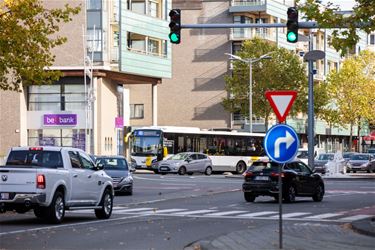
(261,179)
(118,169)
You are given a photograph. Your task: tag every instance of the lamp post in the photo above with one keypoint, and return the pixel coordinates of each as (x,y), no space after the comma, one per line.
(250,62)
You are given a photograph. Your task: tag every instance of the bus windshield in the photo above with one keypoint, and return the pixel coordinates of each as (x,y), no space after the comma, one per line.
(146,143)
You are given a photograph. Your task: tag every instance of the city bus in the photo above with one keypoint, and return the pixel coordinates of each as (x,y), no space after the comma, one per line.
(229,150)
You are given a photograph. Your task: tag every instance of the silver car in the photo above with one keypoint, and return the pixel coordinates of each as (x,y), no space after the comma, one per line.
(188,162)
(361,162)
(118,169)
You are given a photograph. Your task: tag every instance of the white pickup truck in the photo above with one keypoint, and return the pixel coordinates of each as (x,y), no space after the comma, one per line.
(50,180)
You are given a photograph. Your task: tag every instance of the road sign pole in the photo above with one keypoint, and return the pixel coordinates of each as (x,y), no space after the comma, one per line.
(280,208)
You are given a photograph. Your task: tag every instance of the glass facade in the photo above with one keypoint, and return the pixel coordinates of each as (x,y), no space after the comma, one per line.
(57,137)
(94,29)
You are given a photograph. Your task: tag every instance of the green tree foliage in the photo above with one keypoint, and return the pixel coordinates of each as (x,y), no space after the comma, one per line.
(352,91)
(28,32)
(284,71)
(327,17)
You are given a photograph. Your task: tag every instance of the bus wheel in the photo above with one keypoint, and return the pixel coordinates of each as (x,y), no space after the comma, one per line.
(241,167)
(182,170)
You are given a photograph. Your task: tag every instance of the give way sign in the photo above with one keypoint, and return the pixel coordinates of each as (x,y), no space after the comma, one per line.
(281,102)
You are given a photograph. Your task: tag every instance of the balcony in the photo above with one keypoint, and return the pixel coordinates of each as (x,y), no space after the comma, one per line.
(247,6)
(115,55)
(239,34)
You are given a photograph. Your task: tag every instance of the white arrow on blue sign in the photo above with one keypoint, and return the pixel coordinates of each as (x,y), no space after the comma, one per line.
(281,143)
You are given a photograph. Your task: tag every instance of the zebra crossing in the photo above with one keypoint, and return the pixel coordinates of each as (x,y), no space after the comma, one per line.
(234,214)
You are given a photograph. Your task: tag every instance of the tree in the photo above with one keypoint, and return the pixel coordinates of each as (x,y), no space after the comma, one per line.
(28,32)
(352,92)
(327,16)
(284,71)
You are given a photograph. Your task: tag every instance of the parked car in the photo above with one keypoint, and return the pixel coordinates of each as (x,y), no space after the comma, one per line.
(188,162)
(261,179)
(50,180)
(361,162)
(320,162)
(347,155)
(118,169)
(303,155)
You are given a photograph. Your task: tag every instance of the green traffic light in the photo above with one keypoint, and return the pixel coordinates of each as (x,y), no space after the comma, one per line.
(174,37)
(291,37)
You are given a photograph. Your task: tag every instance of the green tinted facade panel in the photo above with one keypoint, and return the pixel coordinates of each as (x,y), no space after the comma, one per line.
(142,62)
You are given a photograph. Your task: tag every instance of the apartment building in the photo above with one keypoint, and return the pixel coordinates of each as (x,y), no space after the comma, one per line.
(199,65)
(114,48)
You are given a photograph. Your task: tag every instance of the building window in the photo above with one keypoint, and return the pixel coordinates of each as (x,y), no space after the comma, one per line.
(57,137)
(56,97)
(372,39)
(136,111)
(146,45)
(94,4)
(146,7)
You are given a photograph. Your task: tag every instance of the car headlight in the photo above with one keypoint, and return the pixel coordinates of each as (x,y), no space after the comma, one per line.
(349,165)
(127,179)
(177,164)
(364,165)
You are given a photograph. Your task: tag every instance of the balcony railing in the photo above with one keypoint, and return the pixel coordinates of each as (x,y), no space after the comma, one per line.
(248,33)
(247,2)
(145,52)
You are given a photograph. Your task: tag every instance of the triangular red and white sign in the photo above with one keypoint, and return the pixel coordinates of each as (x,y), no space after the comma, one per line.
(281,102)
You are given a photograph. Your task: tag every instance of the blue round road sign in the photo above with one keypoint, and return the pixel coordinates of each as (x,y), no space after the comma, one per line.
(281,143)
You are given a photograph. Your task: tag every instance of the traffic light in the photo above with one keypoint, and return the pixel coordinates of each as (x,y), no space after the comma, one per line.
(292,25)
(175,26)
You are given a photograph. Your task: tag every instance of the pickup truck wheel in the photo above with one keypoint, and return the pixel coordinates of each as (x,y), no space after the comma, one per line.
(56,211)
(106,206)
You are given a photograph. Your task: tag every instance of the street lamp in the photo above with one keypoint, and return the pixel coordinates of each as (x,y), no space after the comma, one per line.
(250,62)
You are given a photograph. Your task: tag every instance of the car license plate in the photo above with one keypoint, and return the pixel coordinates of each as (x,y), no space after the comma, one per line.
(163,168)
(5,196)
(261,178)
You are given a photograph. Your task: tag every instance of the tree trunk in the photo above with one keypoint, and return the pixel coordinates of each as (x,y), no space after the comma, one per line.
(358,135)
(266,122)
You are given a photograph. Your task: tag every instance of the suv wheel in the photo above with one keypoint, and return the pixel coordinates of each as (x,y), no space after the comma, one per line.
(290,195)
(208,171)
(249,197)
(182,170)
(56,211)
(106,206)
(319,193)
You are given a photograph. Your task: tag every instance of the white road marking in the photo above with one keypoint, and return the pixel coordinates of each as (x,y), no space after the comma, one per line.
(290,215)
(162,211)
(355,217)
(135,209)
(195,212)
(226,213)
(323,216)
(257,214)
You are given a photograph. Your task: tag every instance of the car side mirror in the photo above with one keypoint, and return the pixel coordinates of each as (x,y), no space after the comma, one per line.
(99,166)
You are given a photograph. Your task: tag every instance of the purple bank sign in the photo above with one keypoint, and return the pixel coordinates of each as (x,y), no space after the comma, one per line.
(60,120)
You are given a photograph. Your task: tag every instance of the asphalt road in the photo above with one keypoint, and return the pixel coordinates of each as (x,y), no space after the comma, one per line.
(172,212)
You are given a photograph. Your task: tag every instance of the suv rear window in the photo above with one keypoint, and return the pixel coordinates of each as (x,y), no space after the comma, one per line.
(261,166)
(38,158)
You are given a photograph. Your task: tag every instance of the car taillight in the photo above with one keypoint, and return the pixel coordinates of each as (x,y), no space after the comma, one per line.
(248,174)
(36,149)
(40,181)
(273,174)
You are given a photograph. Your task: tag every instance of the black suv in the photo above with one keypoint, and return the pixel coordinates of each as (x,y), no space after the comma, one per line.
(297,180)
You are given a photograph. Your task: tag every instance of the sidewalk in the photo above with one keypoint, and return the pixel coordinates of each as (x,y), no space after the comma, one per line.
(302,235)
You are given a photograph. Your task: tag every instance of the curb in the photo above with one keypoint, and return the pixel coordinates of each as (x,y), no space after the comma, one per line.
(365,226)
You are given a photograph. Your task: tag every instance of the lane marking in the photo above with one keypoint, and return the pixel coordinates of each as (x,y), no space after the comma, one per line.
(195,212)
(135,209)
(290,215)
(164,211)
(355,217)
(323,216)
(226,213)
(257,214)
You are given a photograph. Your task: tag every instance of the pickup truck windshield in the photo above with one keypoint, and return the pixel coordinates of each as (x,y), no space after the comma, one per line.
(37,158)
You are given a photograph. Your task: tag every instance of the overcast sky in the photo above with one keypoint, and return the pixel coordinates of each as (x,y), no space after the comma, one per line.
(344,4)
